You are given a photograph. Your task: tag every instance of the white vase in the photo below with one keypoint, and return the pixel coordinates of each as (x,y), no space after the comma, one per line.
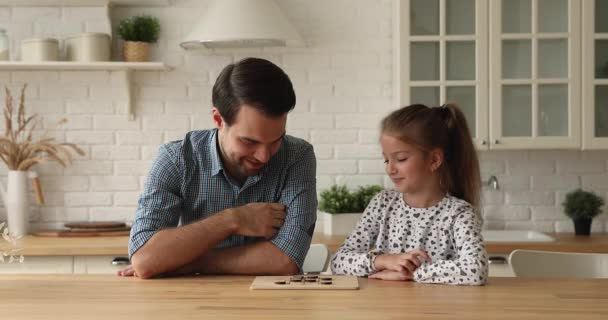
(16,202)
(339,223)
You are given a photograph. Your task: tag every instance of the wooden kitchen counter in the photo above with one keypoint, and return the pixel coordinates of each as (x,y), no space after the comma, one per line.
(564,242)
(74,246)
(223,297)
(117,246)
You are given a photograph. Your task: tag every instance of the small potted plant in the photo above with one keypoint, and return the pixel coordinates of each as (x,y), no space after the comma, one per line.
(138,32)
(582,206)
(341,209)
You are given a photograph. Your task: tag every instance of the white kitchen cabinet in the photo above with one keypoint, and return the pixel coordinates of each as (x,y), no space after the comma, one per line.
(62,265)
(595,74)
(535,74)
(40,264)
(441,55)
(96,265)
(513,66)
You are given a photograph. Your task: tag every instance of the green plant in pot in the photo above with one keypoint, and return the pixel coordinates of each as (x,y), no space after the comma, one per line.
(342,208)
(582,206)
(138,32)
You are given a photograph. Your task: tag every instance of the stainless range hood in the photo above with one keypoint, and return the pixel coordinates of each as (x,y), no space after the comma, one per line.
(242,24)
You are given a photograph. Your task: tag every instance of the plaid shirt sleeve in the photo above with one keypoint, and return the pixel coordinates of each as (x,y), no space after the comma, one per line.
(160,202)
(299,195)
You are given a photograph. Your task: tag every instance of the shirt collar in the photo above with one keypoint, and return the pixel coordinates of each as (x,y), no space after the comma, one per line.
(216,161)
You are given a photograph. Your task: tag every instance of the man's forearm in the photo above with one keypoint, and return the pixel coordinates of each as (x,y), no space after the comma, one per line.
(262,258)
(172,248)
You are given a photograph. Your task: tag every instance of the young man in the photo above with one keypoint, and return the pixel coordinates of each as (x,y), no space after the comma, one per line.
(244,192)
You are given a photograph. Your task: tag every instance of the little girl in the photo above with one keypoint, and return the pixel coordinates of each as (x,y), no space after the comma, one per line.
(428,229)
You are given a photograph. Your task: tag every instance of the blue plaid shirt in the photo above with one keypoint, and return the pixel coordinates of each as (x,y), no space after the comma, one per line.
(187,183)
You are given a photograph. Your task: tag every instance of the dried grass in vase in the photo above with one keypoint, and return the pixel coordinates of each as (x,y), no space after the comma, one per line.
(19,151)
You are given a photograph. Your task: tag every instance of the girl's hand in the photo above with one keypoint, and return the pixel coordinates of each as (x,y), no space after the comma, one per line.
(401,262)
(392,275)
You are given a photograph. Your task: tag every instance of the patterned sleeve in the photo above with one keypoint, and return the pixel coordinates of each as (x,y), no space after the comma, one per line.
(299,195)
(356,256)
(160,202)
(470,264)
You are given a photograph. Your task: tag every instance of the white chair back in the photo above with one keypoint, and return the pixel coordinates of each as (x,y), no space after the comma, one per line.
(317,259)
(544,264)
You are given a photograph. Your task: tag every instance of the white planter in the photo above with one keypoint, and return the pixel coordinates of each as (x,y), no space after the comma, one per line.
(339,223)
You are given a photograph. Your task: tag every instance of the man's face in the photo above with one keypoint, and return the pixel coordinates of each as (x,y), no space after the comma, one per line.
(249,143)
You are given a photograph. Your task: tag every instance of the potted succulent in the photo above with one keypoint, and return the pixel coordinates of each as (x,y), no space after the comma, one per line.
(138,32)
(341,208)
(582,206)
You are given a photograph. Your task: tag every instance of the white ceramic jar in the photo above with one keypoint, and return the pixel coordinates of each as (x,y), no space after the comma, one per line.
(39,49)
(90,46)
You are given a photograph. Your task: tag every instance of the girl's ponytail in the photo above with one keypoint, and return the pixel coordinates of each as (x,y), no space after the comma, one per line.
(460,172)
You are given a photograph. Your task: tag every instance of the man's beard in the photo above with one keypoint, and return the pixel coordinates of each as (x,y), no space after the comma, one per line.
(236,169)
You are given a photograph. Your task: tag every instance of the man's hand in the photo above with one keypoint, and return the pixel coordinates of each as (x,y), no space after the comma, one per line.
(402,262)
(259,219)
(127,272)
(392,275)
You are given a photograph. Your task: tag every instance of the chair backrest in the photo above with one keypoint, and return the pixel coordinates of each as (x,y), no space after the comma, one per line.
(317,259)
(544,264)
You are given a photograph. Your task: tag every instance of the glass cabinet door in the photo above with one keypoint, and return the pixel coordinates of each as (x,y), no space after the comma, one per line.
(595,74)
(535,66)
(442,57)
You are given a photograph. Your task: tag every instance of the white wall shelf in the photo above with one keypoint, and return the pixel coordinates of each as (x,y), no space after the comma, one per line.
(84,66)
(125,68)
(85,3)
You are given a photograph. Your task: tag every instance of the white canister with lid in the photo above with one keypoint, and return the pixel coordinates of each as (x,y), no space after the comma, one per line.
(89,46)
(39,49)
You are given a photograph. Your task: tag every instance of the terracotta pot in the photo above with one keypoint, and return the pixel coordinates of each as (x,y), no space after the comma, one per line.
(135,51)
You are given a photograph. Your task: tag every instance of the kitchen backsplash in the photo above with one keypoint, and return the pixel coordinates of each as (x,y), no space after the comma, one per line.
(343,83)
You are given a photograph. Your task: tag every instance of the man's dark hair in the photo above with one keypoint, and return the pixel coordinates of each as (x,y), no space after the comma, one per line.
(256,82)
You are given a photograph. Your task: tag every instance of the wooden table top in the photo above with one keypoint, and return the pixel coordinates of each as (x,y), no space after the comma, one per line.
(117,246)
(106,297)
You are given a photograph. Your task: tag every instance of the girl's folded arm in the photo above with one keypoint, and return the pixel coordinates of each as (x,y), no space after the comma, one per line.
(469,266)
(355,256)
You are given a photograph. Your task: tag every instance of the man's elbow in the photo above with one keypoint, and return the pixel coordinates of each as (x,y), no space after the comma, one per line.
(285,266)
(142,268)
(290,268)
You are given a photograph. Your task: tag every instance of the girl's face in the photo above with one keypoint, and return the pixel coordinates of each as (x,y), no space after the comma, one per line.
(410,169)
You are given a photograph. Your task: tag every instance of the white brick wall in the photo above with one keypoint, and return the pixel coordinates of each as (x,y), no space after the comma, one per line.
(343,82)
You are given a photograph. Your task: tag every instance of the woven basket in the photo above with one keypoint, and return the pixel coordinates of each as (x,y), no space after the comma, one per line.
(135,51)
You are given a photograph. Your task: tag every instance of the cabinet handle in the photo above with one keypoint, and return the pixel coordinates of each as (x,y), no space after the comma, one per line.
(496,141)
(120,261)
(483,142)
(497,260)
